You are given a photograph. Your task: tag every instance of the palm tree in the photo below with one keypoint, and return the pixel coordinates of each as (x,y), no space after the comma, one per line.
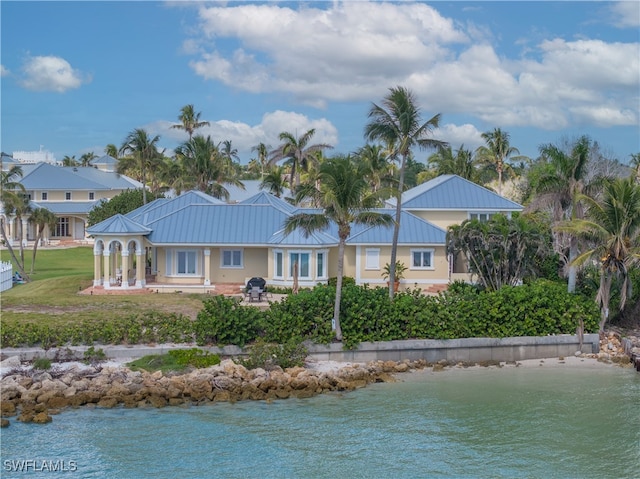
(189,120)
(143,149)
(560,187)
(111,150)
(298,151)
(397,123)
(207,167)
(69,161)
(41,218)
(374,160)
(87,158)
(497,152)
(635,164)
(345,199)
(12,194)
(275,181)
(461,163)
(612,226)
(263,154)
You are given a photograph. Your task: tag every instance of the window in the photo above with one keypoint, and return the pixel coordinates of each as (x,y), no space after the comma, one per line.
(92,196)
(321,264)
(278,261)
(231,258)
(372,258)
(422,259)
(186,262)
(301,260)
(480,216)
(44,196)
(67,196)
(62,227)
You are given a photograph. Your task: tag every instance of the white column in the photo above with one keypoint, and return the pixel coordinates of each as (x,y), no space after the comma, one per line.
(106,254)
(25,223)
(140,269)
(125,269)
(97,279)
(207,267)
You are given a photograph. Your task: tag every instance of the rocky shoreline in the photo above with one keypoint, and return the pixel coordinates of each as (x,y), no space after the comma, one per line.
(33,395)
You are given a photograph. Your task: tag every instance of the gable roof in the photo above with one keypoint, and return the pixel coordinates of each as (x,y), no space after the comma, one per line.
(452,192)
(118,225)
(413,230)
(65,207)
(165,206)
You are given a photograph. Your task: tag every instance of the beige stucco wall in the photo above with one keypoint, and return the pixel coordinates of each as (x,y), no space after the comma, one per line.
(254,264)
(442,219)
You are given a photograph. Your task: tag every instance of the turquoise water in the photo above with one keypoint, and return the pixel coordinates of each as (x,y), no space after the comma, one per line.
(487,423)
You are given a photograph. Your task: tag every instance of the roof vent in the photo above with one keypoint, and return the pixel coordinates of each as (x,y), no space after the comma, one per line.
(75,169)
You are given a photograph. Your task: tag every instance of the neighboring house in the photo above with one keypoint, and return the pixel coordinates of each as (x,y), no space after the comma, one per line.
(105,163)
(70,193)
(197,242)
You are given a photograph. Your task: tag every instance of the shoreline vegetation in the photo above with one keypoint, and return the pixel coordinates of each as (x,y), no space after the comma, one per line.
(34,395)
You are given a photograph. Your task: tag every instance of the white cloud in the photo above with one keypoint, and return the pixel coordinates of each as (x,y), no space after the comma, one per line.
(625,14)
(50,73)
(243,136)
(354,51)
(457,135)
(3,71)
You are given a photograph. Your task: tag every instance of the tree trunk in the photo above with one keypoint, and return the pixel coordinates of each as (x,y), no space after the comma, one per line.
(603,298)
(35,248)
(573,270)
(396,228)
(12,253)
(336,308)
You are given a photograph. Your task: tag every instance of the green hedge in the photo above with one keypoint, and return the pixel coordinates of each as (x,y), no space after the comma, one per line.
(539,308)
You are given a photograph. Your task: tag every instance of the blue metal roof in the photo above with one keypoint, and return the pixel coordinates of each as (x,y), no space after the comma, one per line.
(163,207)
(117,225)
(265,198)
(219,224)
(413,230)
(297,237)
(65,207)
(43,176)
(452,192)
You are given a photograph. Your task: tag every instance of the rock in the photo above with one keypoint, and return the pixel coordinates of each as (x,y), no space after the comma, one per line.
(42,418)
(11,362)
(402,368)
(4,422)
(438,367)
(7,408)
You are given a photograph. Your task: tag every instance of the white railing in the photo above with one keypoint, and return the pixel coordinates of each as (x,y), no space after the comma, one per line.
(6,276)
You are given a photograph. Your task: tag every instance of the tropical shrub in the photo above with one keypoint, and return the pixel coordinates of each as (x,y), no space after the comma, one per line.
(271,355)
(224,321)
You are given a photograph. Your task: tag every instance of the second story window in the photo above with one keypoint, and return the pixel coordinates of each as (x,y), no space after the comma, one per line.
(44,196)
(92,196)
(67,196)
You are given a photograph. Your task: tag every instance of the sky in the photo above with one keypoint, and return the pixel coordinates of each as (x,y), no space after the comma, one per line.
(76,76)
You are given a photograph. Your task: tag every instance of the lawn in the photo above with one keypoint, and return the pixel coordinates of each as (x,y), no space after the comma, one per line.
(52,295)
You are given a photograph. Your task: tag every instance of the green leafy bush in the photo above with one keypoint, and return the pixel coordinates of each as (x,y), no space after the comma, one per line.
(224,321)
(194,357)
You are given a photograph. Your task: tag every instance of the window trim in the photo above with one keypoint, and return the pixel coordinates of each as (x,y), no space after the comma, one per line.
(431,252)
(489,214)
(325,264)
(277,252)
(68,196)
(290,264)
(92,195)
(232,266)
(44,196)
(371,267)
(187,253)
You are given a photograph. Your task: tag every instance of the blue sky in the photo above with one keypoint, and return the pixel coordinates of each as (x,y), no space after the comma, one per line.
(79,75)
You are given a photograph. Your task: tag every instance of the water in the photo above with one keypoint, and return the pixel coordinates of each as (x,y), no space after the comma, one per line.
(489,423)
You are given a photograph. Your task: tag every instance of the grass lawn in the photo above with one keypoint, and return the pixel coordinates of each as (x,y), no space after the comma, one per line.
(52,295)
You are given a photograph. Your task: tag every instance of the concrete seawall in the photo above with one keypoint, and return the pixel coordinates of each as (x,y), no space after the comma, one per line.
(431,350)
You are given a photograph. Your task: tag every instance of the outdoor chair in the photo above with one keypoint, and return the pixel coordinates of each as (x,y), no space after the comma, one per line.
(255,294)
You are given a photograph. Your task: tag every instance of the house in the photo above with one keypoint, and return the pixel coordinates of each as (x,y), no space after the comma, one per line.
(69,192)
(196,242)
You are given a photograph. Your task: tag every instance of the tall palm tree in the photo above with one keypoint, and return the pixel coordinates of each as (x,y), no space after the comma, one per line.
(275,181)
(209,169)
(345,199)
(461,162)
(263,154)
(143,149)
(189,120)
(560,187)
(497,152)
(635,164)
(41,218)
(298,151)
(12,194)
(612,227)
(397,123)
